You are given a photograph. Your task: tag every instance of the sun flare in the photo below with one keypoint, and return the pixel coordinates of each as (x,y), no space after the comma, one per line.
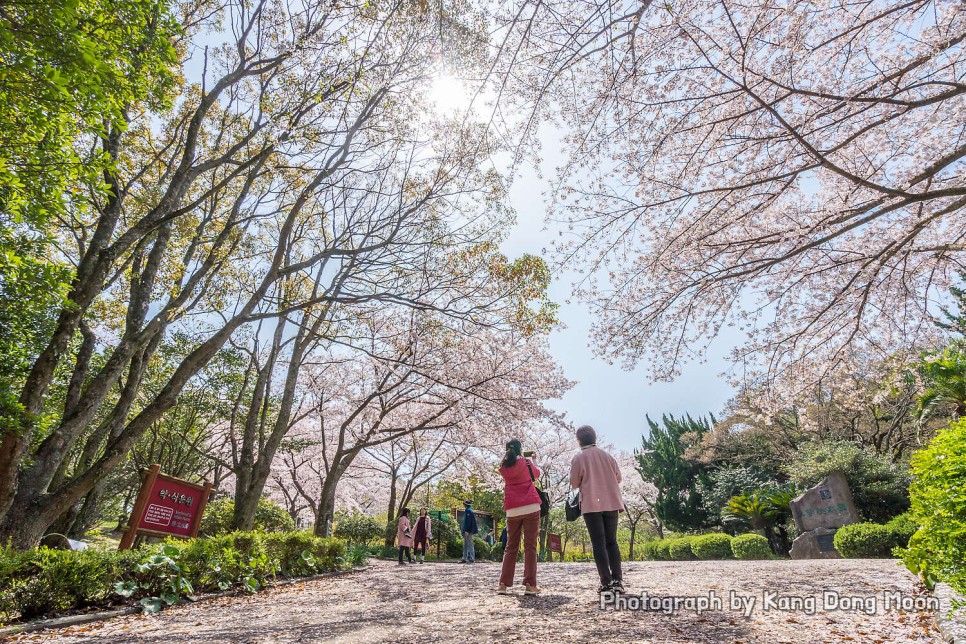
(449,94)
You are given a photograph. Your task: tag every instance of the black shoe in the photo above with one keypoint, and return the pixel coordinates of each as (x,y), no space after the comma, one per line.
(603,589)
(617,586)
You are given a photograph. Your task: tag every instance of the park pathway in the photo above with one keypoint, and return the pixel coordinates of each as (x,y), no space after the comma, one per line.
(455,603)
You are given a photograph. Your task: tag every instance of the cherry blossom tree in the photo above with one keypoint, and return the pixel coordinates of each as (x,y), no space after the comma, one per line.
(793,169)
(295,171)
(639,497)
(413,380)
(411,463)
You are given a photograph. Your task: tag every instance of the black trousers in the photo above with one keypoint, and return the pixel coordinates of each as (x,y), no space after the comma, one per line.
(404,551)
(602,527)
(419,547)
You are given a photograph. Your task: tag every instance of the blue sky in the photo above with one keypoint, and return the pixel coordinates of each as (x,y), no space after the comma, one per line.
(613,400)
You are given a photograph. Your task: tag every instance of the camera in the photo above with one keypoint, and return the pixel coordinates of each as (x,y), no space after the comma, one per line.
(530,453)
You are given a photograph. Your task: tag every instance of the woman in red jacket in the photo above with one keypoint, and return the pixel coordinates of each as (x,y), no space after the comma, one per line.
(522,505)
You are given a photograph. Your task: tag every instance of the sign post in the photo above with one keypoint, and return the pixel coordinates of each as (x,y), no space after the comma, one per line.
(166,507)
(554,545)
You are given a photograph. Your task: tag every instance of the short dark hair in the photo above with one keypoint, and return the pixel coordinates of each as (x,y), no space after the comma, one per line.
(404,512)
(586,435)
(467,503)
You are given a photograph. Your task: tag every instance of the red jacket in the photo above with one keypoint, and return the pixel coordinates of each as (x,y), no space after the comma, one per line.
(519,490)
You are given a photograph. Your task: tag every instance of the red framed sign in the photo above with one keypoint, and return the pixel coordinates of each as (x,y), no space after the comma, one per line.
(553,543)
(166,507)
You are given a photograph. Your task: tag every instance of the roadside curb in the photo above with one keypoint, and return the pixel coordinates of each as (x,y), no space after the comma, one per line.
(950,620)
(78,620)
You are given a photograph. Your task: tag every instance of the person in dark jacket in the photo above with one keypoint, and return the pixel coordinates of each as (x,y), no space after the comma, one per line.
(503,537)
(469,529)
(423,535)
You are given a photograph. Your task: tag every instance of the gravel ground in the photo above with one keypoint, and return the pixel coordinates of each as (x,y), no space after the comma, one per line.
(451,602)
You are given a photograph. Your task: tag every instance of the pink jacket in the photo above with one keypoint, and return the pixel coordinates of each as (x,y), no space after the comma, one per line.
(519,490)
(401,538)
(596,474)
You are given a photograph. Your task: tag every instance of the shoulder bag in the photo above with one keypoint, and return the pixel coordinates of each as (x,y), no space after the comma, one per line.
(544,497)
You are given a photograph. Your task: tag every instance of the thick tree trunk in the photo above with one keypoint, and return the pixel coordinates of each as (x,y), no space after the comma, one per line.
(391,515)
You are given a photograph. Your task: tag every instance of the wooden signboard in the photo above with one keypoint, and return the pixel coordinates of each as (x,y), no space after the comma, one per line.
(553,543)
(166,507)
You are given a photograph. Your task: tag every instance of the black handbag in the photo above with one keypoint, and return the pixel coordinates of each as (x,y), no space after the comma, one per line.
(572,505)
(544,497)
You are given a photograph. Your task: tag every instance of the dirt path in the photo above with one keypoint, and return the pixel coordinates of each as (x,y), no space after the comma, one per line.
(451,602)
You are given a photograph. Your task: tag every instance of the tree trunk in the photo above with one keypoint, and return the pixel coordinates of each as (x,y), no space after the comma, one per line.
(630,551)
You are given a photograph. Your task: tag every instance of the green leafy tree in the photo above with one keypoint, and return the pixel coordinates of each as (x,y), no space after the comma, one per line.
(944,378)
(662,462)
(879,486)
(69,73)
(937,551)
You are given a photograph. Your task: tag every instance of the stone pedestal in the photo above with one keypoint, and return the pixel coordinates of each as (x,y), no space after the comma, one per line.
(815,544)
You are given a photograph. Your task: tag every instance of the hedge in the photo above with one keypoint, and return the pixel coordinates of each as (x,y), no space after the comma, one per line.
(872,540)
(750,546)
(712,546)
(864,540)
(42,581)
(705,546)
(937,551)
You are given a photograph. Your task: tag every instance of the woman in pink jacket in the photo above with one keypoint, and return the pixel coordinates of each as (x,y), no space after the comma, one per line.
(404,536)
(522,505)
(595,473)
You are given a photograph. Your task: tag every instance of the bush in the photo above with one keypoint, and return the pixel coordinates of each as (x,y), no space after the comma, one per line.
(39,581)
(650,550)
(879,486)
(712,546)
(750,546)
(902,528)
(454,548)
(662,550)
(480,548)
(42,581)
(269,517)
(357,528)
(864,540)
(680,549)
(937,551)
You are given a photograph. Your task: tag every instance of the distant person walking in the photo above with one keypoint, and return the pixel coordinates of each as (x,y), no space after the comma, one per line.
(522,505)
(404,536)
(595,473)
(469,529)
(422,535)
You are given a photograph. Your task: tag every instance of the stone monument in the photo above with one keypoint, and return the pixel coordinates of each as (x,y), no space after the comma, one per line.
(818,512)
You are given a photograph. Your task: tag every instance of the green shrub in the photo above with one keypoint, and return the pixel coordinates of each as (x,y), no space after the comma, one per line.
(454,548)
(680,549)
(480,548)
(712,546)
(879,486)
(937,551)
(750,546)
(650,550)
(43,581)
(662,550)
(357,528)
(902,528)
(269,517)
(864,540)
